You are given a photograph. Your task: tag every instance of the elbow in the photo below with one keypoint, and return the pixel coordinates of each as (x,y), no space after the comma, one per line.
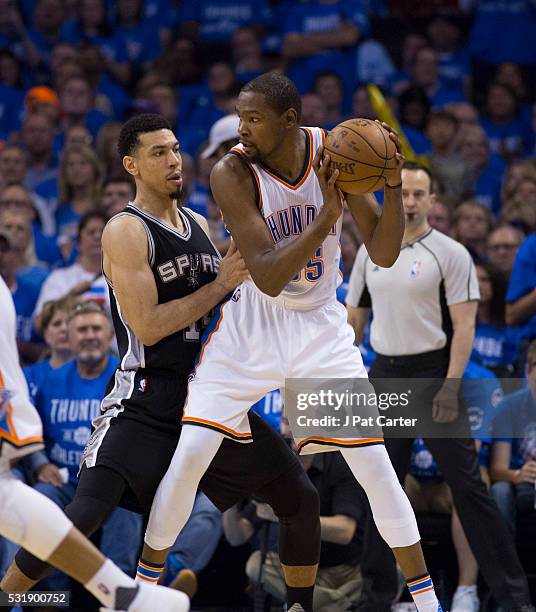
(384,260)
(146,337)
(266,283)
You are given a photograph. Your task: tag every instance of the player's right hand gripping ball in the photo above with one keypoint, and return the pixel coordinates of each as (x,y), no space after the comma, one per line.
(361,150)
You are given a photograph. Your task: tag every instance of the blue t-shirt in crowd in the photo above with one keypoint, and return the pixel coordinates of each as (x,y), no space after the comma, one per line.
(25,298)
(516,137)
(495,346)
(482,394)
(113,46)
(218,19)
(454,67)
(488,184)
(317,17)
(142,41)
(67,403)
(11,103)
(523,281)
(516,423)
(198,199)
(503,31)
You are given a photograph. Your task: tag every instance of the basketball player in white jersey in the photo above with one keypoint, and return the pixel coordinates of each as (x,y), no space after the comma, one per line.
(36,523)
(283,210)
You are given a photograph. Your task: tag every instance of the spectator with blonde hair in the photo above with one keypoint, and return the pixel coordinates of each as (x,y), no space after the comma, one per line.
(79,187)
(106,148)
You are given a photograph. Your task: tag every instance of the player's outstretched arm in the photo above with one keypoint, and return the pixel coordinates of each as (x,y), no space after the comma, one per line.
(271,269)
(382,229)
(126,264)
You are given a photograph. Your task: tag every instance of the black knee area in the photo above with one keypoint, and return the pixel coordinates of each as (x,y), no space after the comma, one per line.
(97,495)
(295,501)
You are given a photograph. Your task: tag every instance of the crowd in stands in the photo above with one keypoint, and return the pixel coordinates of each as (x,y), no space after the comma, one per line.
(458,75)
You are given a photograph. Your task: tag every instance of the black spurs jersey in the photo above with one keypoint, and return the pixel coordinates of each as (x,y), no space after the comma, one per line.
(181,264)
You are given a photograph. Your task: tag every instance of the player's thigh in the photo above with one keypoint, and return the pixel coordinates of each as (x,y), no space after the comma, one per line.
(325,347)
(239,470)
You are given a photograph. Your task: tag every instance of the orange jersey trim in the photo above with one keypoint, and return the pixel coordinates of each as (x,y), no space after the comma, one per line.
(306,173)
(11,434)
(341,442)
(219,426)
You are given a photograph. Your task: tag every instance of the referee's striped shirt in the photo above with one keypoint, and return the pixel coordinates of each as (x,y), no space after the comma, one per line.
(410,300)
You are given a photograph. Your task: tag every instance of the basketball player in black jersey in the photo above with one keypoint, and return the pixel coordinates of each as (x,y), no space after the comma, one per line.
(164,277)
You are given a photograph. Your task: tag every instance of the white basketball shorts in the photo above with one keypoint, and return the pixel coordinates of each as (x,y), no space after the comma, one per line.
(253,346)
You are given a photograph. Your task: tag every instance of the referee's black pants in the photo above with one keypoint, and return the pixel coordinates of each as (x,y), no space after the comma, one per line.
(490,541)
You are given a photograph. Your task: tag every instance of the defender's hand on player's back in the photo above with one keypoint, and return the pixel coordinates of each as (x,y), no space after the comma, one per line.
(332,208)
(233,269)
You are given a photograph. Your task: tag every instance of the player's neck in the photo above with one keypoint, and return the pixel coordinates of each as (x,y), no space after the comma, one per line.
(412,233)
(164,208)
(288,159)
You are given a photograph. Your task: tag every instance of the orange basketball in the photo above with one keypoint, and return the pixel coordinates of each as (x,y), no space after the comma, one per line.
(361,150)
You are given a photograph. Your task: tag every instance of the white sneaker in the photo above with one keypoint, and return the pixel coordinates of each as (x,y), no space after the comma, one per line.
(151,597)
(404,606)
(465,600)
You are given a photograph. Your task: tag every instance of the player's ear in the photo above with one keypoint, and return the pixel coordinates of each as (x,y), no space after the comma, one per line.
(130,165)
(291,117)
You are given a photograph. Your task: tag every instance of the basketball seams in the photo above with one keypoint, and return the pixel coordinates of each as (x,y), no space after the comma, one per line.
(362,163)
(368,143)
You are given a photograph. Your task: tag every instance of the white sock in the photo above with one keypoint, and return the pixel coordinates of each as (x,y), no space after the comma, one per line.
(466,588)
(105,582)
(423,593)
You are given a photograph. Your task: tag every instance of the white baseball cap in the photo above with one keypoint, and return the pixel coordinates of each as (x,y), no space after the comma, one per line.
(221,131)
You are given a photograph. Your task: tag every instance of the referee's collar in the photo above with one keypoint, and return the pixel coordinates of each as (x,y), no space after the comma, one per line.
(418,239)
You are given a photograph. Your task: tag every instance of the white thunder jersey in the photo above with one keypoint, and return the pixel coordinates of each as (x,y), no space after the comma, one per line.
(20,425)
(257,342)
(288,208)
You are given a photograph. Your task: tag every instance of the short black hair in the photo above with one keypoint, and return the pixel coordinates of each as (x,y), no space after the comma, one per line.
(279,91)
(414,166)
(139,124)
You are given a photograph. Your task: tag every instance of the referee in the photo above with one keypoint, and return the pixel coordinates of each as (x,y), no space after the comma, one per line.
(424,309)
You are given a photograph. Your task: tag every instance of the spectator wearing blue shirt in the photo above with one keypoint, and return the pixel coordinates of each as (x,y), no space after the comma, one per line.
(503,31)
(509,134)
(495,345)
(454,61)
(425,74)
(318,35)
(502,246)
(79,188)
(24,278)
(486,169)
(247,53)
(519,208)
(513,463)
(92,26)
(472,222)
(414,108)
(214,21)
(37,136)
(521,295)
(46,27)
(141,35)
(67,403)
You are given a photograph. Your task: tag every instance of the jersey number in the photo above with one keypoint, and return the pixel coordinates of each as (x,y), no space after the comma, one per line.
(193,333)
(314,268)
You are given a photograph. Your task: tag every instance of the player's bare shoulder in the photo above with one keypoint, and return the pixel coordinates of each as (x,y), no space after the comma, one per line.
(124,241)
(231,181)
